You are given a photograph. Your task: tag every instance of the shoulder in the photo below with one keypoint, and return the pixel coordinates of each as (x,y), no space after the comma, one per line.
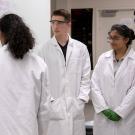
(105,56)
(38,61)
(78,44)
(46,45)
(43,49)
(131,53)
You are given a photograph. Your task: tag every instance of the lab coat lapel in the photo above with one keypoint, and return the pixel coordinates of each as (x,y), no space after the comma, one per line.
(55,43)
(121,69)
(109,58)
(69,50)
(124,64)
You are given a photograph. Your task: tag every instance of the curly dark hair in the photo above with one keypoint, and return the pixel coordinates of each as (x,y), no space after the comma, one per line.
(17,35)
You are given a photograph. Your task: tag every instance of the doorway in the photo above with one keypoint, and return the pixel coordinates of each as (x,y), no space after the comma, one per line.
(82,27)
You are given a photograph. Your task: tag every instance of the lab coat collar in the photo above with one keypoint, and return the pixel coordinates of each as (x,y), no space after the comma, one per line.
(131,54)
(69,48)
(55,43)
(109,57)
(70,40)
(109,54)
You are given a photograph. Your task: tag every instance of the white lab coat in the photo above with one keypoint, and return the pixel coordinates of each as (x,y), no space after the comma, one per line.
(24,96)
(69,82)
(115,92)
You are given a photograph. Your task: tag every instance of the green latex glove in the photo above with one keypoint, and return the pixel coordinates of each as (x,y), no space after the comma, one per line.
(111,115)
(114,116)
(107,113)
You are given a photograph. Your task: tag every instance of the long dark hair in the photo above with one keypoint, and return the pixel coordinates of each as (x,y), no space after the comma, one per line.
(17,35)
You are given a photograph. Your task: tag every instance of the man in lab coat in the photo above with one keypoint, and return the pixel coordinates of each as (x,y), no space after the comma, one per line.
(69,74)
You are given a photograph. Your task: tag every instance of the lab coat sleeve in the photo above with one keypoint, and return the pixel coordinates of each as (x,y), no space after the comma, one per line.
(85,78)
(43,113)
(128,103)
(41,51)
(96,93)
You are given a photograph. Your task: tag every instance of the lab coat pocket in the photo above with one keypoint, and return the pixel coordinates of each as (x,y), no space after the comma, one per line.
(57,110)
(75,65)
(78,109)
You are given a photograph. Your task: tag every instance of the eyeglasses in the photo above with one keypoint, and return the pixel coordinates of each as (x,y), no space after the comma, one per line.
(115,39)
(58,22)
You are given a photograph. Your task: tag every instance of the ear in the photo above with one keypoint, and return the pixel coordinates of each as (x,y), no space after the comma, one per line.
(69,24)
(126,40)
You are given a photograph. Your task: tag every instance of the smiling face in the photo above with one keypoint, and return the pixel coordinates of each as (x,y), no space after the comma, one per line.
(117,41)
(59,25)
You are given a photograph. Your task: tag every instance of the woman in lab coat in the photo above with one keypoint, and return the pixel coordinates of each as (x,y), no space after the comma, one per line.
(23,81)
(113,85)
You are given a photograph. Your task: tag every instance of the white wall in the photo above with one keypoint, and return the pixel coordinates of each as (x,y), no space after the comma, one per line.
(101,3)
(61,4)
(36,14)
(53,5)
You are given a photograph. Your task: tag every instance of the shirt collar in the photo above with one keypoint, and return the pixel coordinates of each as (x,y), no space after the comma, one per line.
(122,58)
(70,41)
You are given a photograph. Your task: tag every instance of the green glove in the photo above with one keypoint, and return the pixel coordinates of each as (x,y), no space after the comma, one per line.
(114,116)
(107,113)
(111,115)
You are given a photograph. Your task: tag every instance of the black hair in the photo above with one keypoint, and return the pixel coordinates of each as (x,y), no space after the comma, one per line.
(124,31)
(62,12)
(17,35)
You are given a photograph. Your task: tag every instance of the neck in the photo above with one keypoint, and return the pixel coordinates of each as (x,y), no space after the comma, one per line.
(62,39)
(120,53)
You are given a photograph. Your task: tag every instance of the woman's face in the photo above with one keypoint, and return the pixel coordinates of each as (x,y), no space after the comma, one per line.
(2,38)
(117,41)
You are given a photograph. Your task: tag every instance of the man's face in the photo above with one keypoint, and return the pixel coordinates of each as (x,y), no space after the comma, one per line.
(59,25)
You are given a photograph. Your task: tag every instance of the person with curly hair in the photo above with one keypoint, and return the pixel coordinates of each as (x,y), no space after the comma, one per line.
(24,94)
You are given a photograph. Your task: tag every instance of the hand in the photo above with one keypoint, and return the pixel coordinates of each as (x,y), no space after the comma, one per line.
(111,115)
(114,116)
(107,113)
